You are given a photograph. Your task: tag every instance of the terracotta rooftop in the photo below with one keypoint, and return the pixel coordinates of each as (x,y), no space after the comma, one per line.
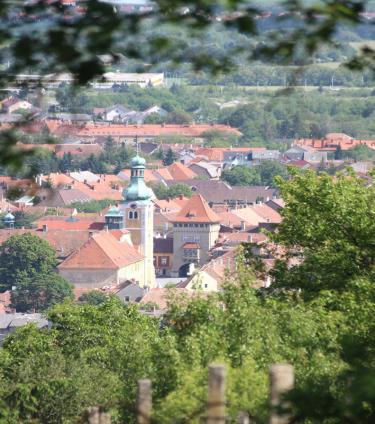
(179,171)
(102,251)
(332,140)
(64,242)
(122,130)
(266,212)
(197,210)
(71,224)
(217,153)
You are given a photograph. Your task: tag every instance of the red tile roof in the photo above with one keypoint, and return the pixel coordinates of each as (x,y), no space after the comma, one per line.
(179,171)
(77,224)
(269,214)
(332,140)
(145,130)
(197,210)
(217,153)
(5,302)
(102,251)
(64,242)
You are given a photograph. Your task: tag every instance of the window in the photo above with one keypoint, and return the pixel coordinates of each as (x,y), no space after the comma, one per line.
(164,261)
(206,286)
(133,215)
(127,299)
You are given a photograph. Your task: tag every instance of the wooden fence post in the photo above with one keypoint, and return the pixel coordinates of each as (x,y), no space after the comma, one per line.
(216,395)
(281,381)
(144,401)
(243,418)
(105,418)
(94,416)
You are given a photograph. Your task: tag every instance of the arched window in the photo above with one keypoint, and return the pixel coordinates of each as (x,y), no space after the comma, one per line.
(135,215)
(131,215)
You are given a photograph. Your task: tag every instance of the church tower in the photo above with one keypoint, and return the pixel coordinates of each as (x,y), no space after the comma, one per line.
(138,211)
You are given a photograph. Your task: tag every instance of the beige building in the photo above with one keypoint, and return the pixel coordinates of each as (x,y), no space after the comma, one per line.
(195,231)
(104,260)
(136,215)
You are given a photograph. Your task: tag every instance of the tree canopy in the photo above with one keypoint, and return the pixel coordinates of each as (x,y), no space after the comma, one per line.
(263,174)
(27,264)
(331,236)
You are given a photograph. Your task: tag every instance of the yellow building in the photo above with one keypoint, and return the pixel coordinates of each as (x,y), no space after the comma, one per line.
(103,261)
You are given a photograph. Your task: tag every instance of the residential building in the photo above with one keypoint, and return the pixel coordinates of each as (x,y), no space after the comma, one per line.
(220,193)
(210,276)
(123,133)
(206,170)
(130,292)
(107,81)
(306,153)
(332,141)
(163,256)
(10,322)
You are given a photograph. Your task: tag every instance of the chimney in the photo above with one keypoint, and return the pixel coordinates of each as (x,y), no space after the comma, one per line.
(250,238)
(243,225)
(106,228)
(45,228)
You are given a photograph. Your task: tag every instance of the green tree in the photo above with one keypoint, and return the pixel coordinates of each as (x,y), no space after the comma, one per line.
(179,189)
(27,265)
(94,297)
(360,153)
(40,292)
(215,138)
(329,223)
(268,170)
(176,190)
(178,117)
(338,153)
(241,176)
(169,157)
(25,256)
(93,206)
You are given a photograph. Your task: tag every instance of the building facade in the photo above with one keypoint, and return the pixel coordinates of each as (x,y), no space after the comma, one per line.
(136,214)
(195,231)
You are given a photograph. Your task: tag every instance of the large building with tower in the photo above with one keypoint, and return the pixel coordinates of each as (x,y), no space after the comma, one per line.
(195,231)
(124,250)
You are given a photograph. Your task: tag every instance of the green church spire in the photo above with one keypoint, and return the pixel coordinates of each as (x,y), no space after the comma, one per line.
(137,189)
